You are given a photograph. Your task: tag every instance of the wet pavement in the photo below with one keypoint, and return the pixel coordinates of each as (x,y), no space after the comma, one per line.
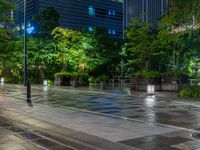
(162,108)
(163,121)
(15,135)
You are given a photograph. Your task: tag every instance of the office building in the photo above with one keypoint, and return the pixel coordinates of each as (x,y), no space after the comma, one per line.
(149,11)
(77,14)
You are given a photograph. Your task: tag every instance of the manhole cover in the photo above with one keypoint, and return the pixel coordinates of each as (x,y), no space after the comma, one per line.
(196,135)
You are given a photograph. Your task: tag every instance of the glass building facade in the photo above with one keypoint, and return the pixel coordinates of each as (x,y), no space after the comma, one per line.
(77,14)
(149,11)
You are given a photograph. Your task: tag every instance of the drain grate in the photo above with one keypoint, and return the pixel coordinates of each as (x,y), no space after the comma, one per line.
(196,136)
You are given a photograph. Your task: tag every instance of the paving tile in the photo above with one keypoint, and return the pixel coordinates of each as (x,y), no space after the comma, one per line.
(17,139)
(30,136)
(50,144)
(190,145)
(156,142)
(12,146)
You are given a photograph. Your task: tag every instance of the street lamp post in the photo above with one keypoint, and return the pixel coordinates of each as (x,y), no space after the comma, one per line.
(25,51)
(26,82)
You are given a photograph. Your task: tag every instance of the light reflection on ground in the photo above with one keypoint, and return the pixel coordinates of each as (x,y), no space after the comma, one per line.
(164,108)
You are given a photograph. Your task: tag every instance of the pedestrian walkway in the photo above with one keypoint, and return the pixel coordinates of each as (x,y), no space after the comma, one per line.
(46,126)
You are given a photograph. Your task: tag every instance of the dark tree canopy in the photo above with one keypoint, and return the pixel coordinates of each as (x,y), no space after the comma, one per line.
(47,20)
(185,11)
(5,8)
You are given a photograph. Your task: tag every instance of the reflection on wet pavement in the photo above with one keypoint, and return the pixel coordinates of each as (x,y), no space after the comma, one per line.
(17,136)
(156,142)
(163,109)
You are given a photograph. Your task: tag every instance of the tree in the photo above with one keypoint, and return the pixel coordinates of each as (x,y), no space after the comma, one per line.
(68,44)
(5,35)
(47,20)
(107,50)
(140,37)
(184,12)
(95,52)
(178,35)
(5,8)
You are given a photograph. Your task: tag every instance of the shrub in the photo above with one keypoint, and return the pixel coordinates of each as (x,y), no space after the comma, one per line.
(103,78)
(50,82)
(190,91)
(172,74)
(91,80)
(73,75)
(147,74)
(66,74)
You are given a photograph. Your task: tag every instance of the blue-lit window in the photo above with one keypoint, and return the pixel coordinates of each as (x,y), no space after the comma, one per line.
(91,11)
(90,29)
(111,12)
(30,30)
(111,31)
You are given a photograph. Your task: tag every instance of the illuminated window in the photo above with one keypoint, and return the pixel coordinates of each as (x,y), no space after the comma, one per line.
(91,11)
(90,29)
(111,31)
(30,30)
(111,12)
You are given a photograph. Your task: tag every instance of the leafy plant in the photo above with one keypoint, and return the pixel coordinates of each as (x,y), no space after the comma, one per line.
(191,91)
(147,74)
(103,78)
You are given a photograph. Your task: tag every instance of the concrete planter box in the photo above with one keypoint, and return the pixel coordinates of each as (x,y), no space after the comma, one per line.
(83,83)
(74,83)
(140,84)
(102,85)
(57,81)
(62,81)
(170,84)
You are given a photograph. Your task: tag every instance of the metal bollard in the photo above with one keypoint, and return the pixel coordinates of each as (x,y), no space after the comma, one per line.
(28,91)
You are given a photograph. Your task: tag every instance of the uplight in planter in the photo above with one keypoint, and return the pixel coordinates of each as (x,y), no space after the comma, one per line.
(45,82)
(2,79)
(151,89)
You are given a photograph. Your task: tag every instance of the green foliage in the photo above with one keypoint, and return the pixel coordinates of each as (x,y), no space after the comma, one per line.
(71,55)
(47,20)
(5,8)
(141,47)
(183,11)
(192,91)
(105,53)
(176,73)
(91,80)
(194,67)
(103,78)
(72,74)
(50,82)
(147,74)
(66,74)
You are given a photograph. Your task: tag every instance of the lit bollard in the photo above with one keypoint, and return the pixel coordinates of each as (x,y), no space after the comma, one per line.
(74,84)
(2,81)
(45,82)
(150,89)
(28,92)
